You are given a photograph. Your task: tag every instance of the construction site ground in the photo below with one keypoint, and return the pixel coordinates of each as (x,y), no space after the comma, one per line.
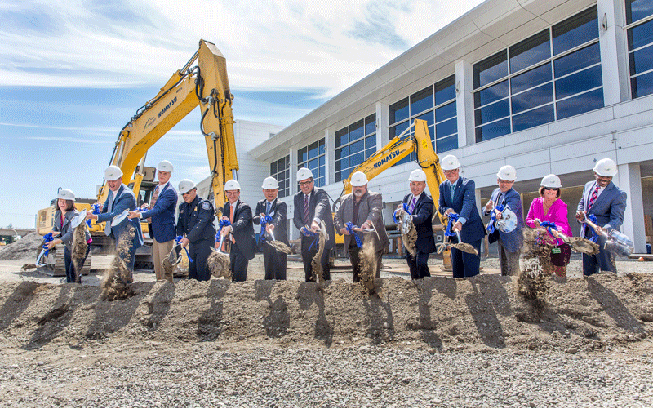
(434,342)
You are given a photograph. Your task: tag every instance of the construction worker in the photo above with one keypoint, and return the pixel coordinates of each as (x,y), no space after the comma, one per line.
(62,218)
(605,201)
(272,215)
(502,199)
(312,206)
(458,200)
(241,230)
(420,206)
(161,211)
(120,200)
(195,225)
(363,209)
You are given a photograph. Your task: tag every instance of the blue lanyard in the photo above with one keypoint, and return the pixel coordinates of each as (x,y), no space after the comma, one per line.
(177,240)
(350,229)
(493,218)
(453,218)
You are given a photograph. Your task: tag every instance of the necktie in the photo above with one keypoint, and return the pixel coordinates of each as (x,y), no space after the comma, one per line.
(412,205)
(155,197)
(267,208)
(305,208)
(499,199)
(107,225)
(453,191)
(231,219)
(595,194)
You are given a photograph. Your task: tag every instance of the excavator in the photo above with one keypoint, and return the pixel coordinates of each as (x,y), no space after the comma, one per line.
(397,149)
(202,82)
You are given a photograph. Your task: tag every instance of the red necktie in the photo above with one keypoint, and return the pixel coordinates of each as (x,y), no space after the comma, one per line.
(595,194)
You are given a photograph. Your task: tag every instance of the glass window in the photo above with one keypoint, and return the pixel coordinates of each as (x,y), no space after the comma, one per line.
(523,97)
(399,111)
(421,101)
(354,150)
(445,91)
(446,128)
(279,169)
(637,10)
(315,161)
(640,46)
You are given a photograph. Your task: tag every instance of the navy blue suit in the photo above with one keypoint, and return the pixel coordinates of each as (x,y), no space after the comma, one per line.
(425,244)
(464,203)
(509,243)
(163,215)
(123,199)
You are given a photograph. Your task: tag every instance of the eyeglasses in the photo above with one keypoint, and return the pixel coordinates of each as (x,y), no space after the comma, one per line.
(305,183)
(550,188)
(450,171)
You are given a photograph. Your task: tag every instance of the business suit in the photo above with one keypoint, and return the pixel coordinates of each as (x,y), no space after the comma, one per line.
(162,228)
(243,248)
(425,244)
(609,209)
(369,209)
(275,262)
(463,203)
(122,200)
(509,243)
(196,223)
(319,209)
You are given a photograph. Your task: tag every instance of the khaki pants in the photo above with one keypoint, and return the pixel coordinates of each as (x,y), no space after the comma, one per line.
(160,251)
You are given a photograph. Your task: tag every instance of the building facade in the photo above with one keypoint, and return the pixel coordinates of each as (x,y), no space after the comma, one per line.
(548,86)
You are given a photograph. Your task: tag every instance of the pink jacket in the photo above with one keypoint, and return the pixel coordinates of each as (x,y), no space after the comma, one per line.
(557,214)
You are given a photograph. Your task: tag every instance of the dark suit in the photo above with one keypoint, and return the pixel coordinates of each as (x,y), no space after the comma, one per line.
(425,244)
(509,243)
(275,262)
(464,203)
(196,223)
(244,247)
(163,214)
(609,210)
(319,208)
(123,199)
(370,208)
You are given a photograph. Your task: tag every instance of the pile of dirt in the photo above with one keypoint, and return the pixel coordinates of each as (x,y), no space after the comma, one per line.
(26,247)
(116,282)
(444,314)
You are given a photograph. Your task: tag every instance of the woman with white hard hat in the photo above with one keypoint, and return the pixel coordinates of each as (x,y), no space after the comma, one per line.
(65,213)
(506,200)
(458,202)
(549,207)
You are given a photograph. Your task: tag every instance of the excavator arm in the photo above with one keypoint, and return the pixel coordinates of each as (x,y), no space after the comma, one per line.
(206,85)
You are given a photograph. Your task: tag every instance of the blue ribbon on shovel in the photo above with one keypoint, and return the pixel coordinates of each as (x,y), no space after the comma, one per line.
(350,229)
(177,241)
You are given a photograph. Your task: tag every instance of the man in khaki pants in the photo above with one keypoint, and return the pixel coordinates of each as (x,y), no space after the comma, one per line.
(162,212)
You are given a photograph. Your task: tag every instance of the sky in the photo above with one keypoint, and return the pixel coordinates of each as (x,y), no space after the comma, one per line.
(73,73)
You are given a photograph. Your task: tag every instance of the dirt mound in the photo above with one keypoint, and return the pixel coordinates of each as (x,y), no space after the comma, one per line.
(26,247)
(439,313)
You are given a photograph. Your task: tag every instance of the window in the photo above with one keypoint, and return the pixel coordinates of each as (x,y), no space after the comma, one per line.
(436,105)
(313,157)
(354,144)
(551,75)
(280,170)
(639,20)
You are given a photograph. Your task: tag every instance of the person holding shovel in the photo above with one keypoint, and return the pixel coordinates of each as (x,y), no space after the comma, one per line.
(272,215)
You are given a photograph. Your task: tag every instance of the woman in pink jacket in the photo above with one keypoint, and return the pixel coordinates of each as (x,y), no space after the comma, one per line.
(549,207)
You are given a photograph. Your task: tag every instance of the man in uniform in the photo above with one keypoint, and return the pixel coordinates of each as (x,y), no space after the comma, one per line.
(457,197)
(272,215)
(420,207)
(607,203)
(119,200)
(162,214)
(363,209)
(243,243)
(195,225)
(312,206)
(509,243)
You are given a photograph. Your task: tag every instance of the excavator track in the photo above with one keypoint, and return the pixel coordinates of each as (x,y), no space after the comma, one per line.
(55,264)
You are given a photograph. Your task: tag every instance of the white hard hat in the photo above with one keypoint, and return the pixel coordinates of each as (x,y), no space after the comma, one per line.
(231,185)
(551,181)
(417,175)
(449,162)
(66,194)
(304,174)
(270,183)
(112,173)
(165,166)
(606,167)
(507,173)
(358,179)
(186,185)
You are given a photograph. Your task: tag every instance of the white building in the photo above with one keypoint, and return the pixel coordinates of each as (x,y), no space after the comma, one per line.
(548,86)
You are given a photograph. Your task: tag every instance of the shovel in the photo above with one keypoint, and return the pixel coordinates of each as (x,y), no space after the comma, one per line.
(78,220)
(119,218)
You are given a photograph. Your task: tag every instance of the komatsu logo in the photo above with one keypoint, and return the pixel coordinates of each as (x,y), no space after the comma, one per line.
(387,158)
(168,106)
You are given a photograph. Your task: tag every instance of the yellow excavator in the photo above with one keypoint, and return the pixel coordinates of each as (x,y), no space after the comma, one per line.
(397,149)
(203,82)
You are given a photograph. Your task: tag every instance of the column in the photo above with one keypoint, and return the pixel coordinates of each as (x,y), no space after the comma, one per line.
(614,51)
(465,103)
(629,179)
(293,233)
(329,160)
(382,125)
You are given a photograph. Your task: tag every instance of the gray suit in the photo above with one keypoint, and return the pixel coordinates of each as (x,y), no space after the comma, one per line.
(370,208)
(609,210)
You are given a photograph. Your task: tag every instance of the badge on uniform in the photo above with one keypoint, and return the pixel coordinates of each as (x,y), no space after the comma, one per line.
(206,205)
